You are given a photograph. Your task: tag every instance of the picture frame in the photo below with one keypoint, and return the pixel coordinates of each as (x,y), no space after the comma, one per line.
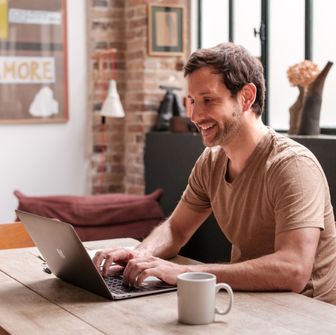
(33,62)
(166,26)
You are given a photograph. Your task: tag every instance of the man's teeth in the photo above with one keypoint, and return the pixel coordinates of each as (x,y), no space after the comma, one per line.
(205,127)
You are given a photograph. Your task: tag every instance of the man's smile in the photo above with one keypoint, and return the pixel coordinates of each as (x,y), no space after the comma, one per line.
(206,126)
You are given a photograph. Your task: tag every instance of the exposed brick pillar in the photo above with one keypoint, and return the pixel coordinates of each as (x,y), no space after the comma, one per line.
(107,30)
(118,145)
(144,76)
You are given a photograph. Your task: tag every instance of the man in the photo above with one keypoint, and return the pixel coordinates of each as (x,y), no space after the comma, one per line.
(269,194)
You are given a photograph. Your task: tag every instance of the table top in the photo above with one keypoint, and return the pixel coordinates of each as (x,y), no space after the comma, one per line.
(33,302)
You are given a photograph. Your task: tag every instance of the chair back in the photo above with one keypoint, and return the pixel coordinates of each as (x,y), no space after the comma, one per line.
(14,235)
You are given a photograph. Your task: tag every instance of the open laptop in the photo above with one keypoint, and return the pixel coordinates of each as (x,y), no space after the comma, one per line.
(68,259)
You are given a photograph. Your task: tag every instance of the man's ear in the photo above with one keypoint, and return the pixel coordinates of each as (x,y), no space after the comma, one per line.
(248,96)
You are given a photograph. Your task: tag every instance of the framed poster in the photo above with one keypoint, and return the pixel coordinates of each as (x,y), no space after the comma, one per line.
(165,30)
(33,61)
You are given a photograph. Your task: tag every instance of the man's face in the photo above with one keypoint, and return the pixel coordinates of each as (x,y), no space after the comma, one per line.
(214,111)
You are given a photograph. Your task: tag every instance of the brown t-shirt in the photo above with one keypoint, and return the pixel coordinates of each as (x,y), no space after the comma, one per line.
(282,187)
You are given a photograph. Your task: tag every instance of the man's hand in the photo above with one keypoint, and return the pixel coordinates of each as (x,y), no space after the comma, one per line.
(138,265)
(120,256)
(139,268)
(164,241)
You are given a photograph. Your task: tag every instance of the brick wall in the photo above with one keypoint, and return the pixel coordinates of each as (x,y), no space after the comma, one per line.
(118,145)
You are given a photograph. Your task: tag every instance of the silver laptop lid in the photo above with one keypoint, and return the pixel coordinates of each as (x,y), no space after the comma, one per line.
(64,253)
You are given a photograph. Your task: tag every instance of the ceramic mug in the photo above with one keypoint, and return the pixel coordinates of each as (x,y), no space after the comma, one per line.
(196,297)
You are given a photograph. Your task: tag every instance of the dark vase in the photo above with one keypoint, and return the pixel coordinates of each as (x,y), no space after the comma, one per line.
(295,112)
(310,117)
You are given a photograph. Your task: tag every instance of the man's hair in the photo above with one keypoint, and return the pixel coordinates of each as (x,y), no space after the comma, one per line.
(236,66)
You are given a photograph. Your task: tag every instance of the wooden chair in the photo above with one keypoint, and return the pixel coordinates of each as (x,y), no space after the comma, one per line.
(14,235)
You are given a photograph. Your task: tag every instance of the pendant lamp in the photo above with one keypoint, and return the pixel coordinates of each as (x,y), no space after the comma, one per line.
(112,106)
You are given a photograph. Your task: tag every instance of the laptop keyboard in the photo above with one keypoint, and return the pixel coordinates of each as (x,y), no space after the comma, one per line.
(117,285)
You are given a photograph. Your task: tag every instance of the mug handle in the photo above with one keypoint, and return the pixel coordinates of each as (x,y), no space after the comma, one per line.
(230,293)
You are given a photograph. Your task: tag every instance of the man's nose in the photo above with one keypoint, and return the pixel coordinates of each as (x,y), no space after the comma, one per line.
(195,112)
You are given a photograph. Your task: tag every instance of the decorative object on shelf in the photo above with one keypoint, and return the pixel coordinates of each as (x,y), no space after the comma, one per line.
(111,106)
(165,30)
(295,112)
(305,112)
(310,118)
(170,107)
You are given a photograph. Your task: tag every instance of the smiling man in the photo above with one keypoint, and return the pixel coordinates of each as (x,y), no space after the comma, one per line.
(268,193)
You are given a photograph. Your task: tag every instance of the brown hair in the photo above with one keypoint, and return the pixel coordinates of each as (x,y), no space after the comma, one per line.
(236,66)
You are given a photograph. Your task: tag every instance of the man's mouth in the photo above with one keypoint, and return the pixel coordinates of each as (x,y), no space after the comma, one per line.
(206,128)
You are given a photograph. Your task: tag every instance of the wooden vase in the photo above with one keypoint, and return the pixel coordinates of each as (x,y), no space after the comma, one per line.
(310,117)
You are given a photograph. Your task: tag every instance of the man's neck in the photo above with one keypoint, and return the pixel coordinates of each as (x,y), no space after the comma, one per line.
(240,148)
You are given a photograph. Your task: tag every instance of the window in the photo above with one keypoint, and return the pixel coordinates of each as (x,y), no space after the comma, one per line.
(286,45)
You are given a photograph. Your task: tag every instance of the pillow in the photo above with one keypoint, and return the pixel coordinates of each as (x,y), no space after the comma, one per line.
(94,210)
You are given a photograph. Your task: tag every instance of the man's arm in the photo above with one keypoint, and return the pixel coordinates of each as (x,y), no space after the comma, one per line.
(288,268)
(166,240)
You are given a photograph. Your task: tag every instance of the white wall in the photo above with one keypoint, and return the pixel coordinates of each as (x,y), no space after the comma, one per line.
(51,158)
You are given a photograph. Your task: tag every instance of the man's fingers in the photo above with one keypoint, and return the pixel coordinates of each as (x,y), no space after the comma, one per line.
(109,259)
(98,259)
(147,273)
(115,269)
(131,271)
(136,267)
(106,258)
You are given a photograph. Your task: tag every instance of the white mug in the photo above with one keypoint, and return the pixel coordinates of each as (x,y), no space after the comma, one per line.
(196,297)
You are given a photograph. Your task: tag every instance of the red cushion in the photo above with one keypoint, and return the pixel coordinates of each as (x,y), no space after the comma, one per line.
(142,212)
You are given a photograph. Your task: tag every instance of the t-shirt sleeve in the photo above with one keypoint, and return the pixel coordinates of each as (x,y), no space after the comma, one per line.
(195,195)
(298,194)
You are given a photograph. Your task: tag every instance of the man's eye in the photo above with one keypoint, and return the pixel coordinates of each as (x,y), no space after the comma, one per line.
(206,101)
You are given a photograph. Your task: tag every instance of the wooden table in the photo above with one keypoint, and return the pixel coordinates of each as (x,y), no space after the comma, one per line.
(33,302)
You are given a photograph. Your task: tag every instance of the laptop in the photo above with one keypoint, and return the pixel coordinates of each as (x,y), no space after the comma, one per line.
(68,260)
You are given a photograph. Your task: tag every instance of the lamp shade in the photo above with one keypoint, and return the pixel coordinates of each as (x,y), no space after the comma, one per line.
(112,106)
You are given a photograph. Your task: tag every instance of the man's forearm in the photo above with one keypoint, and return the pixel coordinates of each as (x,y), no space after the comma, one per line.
(270,272)
(166,240)
(163,242)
